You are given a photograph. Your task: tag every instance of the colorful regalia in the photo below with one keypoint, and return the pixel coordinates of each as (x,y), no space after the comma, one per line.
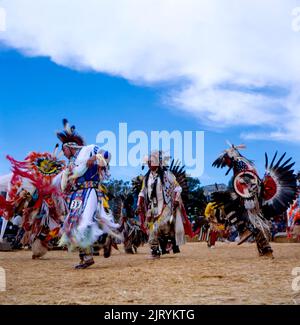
(294,220)
(34,196)
(88,219)
(134,234)
(251,202)
(214,217)
(160,204)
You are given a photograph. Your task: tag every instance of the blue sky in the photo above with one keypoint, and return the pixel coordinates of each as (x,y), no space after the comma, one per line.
(36,93)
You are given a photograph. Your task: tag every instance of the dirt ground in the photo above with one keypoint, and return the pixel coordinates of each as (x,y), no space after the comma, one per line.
(225,275)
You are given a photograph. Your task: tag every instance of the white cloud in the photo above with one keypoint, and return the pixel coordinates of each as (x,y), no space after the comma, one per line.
(224,107)
(226,51)
(2,20)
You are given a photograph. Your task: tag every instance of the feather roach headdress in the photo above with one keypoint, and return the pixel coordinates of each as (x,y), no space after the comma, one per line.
(157,158)
(69,136)
(230,157)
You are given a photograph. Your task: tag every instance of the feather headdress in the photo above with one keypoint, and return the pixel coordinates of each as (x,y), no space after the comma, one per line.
(69,136)
(157,158)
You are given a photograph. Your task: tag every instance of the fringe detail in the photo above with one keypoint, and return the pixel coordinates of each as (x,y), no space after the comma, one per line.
(179,229)
(81,239)
(259,222)
(38,249)
(256,218)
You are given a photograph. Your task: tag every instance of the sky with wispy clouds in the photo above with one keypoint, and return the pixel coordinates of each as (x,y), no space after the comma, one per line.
(229,67)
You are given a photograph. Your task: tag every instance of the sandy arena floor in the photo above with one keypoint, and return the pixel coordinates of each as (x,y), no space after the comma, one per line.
(225,275)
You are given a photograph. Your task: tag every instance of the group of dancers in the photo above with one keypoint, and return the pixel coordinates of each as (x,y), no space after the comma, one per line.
(69,202)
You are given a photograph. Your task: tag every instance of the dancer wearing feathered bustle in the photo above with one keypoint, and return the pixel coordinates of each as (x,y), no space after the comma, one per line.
(35,198)
(160,203)
(134,234)
(251,201)
(215,218)
(293,216)
(87,220)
